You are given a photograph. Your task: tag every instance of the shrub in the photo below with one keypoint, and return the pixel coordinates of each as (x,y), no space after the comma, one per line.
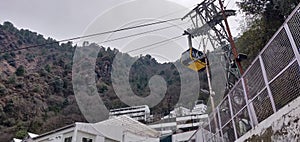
(21,134)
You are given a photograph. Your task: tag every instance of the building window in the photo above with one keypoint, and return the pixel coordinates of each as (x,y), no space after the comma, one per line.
(68,139)
(87,140)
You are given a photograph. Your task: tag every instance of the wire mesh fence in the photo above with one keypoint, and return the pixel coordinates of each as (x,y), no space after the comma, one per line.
(242,122)
(277,55)
(269,84)
(237,98)
(254,80)
(262,106)
(293,24)
(286,87)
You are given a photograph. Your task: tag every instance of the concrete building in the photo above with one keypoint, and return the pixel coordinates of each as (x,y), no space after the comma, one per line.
(178,111)
(183,137)
(179,124)
(139,113)
(115,129)
(181,120)
(199,108)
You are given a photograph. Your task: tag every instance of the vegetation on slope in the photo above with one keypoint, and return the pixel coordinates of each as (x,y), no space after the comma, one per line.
(36,92)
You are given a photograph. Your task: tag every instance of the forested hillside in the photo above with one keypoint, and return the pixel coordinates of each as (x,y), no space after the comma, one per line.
(36,92)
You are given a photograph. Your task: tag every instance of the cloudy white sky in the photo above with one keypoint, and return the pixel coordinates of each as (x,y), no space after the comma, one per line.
(63,19)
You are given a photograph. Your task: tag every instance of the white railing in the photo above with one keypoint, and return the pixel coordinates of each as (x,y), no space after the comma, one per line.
(270,83)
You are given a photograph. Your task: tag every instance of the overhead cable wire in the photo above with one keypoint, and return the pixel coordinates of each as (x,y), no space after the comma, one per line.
(92,35)
(120,38)
(168,14)
(171,13)
(141,33)
(136,49)
(157,46)
(156,43)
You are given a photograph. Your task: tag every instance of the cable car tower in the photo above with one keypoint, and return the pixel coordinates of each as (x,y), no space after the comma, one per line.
(207,23)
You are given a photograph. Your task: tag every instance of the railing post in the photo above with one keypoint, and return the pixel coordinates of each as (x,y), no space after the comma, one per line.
(250,108)
(262,65)
(292,41)
(202,133)
(220,123)
(209,126)
(231,115)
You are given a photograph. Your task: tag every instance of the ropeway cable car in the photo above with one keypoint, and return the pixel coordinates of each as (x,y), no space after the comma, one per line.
(193,58)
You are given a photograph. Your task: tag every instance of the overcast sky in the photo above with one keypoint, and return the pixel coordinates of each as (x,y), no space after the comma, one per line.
(63,19)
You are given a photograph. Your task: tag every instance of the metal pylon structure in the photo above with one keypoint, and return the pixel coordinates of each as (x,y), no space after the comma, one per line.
(208,24)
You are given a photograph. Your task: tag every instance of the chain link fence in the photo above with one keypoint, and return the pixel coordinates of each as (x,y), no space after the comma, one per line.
(270,83)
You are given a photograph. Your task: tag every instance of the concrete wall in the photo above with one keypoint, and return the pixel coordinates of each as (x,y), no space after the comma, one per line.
(283,126)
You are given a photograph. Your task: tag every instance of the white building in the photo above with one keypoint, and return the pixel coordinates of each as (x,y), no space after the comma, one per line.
(199,108)
(179,124)
(29,136)
(183,137)
(181,119)
(178,111)
(16,140)
(116,129)
(139,113)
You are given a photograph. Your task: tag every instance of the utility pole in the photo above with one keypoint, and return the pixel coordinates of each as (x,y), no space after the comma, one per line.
(232,44)
(211,93)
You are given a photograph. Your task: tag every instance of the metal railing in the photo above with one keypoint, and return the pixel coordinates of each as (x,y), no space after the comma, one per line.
(270,83)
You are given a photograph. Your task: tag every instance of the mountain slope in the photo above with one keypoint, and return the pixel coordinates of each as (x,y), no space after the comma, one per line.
(36,92)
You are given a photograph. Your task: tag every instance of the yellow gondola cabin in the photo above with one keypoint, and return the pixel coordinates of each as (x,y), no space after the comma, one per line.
(193,59)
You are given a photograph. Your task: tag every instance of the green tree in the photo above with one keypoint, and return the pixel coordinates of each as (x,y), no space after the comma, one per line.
(267,16)
(48,68)
(12,79)
(37,89)
(20,71)
(9,26)
(251,42)
(3,89)
(102,88)
(265,7)
(58,84)
(272,13)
